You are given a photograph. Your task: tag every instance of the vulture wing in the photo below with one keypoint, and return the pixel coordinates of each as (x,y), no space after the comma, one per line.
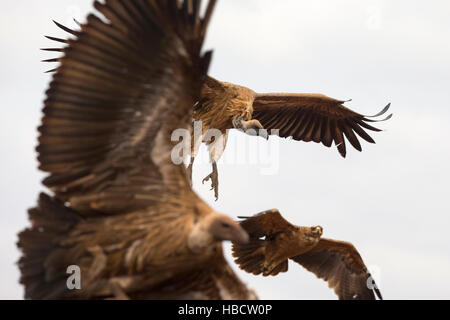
(121,89)
(125,82)
(340,264)
(314,117)
(267,223)
(217,281)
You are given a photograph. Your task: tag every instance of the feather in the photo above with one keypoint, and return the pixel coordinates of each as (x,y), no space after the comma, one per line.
(122,210)
(320,125)
(336,262)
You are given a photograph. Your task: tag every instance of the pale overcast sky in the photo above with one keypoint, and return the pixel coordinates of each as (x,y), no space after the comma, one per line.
(391,201)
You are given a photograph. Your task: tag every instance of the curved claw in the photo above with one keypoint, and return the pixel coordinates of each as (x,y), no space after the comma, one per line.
(214,183)
(206,179)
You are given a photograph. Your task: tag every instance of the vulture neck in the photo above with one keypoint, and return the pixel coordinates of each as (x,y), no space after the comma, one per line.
(201,240)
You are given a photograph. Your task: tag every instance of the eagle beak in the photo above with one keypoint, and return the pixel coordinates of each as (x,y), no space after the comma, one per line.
(317,230)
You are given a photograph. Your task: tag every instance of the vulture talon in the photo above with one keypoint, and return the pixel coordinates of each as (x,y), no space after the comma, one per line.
(214,178)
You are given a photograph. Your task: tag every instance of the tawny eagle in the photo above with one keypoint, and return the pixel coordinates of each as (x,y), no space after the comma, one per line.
(274,241)
(122,211)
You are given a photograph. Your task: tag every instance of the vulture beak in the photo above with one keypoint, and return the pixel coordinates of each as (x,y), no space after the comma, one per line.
(224,228)
(241,236)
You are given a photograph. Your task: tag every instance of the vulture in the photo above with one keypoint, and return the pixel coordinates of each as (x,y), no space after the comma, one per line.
(122,211)
(273,241)
(304,117)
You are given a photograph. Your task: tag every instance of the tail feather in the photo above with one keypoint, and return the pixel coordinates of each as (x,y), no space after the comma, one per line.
(51,220)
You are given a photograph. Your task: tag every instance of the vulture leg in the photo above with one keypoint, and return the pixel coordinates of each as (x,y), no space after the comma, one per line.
(216,149)
(189,170)
(214,177)
(196,142)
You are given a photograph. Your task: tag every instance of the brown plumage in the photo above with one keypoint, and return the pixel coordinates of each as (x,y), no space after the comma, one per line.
(304,117)
(123,211)
(273,241)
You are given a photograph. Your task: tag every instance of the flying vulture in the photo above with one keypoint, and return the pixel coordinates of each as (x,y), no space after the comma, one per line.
(273,241)
(304,117)
(122,211)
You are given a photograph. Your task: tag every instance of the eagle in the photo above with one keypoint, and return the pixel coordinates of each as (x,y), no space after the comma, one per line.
(274,241)
(304,117)
(122,211)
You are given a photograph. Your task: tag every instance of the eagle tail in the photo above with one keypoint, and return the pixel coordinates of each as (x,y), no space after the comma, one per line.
(51,220)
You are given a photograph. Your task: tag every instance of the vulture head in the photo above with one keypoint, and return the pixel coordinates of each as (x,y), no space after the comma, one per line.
(223,228)
(212,228)
(255,128)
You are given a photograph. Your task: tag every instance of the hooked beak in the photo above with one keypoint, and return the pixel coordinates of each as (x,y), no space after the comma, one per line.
(317,230)
(241,236)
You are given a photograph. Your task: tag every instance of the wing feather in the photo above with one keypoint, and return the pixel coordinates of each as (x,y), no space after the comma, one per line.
(314,117)
(326,137)
(122,86)
(350,135)
(340,264)
(266,223)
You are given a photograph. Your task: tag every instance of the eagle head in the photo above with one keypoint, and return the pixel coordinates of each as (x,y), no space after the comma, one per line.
(317,231)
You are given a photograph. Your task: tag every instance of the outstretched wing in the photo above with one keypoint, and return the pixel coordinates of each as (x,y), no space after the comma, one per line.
(122,87)
(314,117)
(340,264)
(267,223)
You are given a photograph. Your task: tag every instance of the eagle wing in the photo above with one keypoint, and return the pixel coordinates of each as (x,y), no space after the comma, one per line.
(340,264)
(267,223)
(124,84)
(314,117)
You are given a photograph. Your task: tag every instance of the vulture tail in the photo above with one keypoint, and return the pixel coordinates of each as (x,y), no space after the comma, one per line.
(251,257)
(51,220)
